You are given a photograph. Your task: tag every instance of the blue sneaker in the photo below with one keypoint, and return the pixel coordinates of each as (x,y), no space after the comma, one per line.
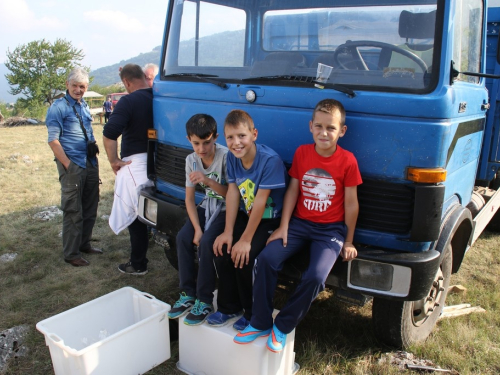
(276,341)
(249,334)
(198,313)
(218,319)
(182,306)
(241,324)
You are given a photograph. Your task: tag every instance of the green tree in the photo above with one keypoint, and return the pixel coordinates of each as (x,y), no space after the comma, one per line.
(39,69)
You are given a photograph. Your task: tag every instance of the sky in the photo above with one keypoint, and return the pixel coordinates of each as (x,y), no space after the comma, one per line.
(106,31)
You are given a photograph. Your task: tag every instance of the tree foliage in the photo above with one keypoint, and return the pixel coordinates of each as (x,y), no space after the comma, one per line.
(40,68)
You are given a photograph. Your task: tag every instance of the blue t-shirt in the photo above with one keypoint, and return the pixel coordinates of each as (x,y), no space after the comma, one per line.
(63,125)
(266,172)
(107,106)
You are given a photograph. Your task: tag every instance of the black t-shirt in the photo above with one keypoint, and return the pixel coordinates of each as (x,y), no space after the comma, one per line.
(132,117)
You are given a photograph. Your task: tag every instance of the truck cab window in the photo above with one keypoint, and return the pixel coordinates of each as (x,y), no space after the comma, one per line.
(467,38)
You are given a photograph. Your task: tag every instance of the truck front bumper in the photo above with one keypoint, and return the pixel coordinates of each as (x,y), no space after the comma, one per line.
(164,213)
(388,274)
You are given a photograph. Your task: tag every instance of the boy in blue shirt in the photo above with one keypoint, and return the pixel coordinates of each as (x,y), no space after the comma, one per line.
(322,196)
(256,176)
(206,166)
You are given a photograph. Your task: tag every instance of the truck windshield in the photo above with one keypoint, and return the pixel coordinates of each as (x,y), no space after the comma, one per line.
(367,46)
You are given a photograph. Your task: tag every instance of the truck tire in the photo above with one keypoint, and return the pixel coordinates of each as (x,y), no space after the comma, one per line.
(171,254)
(169,248)
(402,323)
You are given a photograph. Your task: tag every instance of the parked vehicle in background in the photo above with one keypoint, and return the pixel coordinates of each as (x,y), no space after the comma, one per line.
(115,97)
(421,112)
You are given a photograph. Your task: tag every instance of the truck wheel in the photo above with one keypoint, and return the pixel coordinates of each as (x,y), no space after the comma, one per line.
(169,248)
(171,254)
(402,323)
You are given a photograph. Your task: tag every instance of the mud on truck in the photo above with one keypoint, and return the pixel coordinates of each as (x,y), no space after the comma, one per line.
(417,80)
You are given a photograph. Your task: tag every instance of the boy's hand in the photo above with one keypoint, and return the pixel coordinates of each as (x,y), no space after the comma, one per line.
(220,241)
(277,234)
(196,177)
(348,252)
(197,236)
(239,254)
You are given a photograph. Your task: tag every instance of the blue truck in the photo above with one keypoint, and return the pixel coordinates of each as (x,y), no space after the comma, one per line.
(417,79)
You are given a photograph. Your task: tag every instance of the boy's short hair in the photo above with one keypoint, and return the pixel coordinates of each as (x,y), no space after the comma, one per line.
(330,106)
(237,117)
(202,125)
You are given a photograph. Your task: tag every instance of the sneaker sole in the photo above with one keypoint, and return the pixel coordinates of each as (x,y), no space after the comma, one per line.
(181,314)
(193,324)
(249,342)
(273,350)
(133,273)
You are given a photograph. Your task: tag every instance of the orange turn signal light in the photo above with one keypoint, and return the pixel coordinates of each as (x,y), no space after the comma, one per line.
(427,175)
(152,134)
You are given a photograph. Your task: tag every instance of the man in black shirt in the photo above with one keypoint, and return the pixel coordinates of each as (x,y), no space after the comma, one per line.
(132,117)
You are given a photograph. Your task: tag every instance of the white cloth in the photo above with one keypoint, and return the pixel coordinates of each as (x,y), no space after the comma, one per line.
(130,180)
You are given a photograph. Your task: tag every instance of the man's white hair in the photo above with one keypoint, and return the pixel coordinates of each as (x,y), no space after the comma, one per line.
(79,75)
(151,66)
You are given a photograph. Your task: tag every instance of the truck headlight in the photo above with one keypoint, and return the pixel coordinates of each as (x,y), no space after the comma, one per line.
(151,210)
(381,277)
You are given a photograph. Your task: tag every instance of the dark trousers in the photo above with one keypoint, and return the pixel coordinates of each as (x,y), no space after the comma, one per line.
(235,284)
(139,241)
(106,117)
(325,242)
(79,200)
(201,283)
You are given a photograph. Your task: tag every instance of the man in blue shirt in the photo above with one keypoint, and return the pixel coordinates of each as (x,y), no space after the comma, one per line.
(108,108)
(69,125)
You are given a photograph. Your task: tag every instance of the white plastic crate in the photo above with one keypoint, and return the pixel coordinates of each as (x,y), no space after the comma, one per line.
(123,332)
(206,350)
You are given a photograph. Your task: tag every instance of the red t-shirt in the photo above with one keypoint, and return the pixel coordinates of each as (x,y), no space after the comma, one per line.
(322,181)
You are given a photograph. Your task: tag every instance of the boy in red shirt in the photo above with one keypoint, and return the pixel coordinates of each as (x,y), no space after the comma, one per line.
(322,195)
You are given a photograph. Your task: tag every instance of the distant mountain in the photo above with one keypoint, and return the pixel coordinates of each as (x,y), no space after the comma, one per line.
(4,87)
(108,75)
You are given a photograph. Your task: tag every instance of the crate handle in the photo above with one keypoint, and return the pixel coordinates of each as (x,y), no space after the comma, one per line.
(147,295)
(58,341)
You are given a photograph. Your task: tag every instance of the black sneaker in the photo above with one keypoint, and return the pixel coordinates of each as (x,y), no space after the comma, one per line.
(198,313)
(130,270)
(182,306)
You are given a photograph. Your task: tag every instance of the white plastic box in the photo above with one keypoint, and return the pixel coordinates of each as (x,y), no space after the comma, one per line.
(206,350)
(123,332)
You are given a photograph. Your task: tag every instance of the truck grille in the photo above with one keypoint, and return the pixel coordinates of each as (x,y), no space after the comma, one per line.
(170,164)
(383,207)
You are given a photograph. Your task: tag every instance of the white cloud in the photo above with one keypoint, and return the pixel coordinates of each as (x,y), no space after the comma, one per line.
(116,19)
(16,15)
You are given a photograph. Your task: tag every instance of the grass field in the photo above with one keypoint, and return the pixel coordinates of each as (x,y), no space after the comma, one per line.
(334,338)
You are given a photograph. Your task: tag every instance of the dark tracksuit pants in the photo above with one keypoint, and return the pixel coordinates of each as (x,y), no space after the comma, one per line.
(325,241)
(235,284)
(79,200)
(199,284)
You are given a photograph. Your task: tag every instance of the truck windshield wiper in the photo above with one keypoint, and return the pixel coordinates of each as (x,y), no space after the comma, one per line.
(346,90)
(201,77)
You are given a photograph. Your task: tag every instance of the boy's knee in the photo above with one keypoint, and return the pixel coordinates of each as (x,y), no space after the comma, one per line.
(266,259)
(316,280)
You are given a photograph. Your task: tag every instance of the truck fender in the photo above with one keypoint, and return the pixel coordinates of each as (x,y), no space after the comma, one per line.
(456,229)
